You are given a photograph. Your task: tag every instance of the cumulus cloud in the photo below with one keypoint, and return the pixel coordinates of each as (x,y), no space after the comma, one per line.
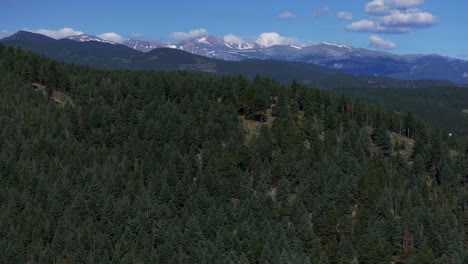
(380,43)
(112,36)
(364,26)
(381,7)
(321,11)
(231,38)
(57,34)
(395,23)
(4,34)
(344,15)
(394,17)
(189,35)
(286,15)
(411,19)
(268,39)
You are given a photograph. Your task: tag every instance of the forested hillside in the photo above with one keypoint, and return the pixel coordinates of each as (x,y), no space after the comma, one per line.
(445,107)
(100,166)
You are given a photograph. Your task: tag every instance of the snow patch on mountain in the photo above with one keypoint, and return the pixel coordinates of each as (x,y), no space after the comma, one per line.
(86,38)
(246,46)
(143,45)
(203,41)
(337,65)
(335,45)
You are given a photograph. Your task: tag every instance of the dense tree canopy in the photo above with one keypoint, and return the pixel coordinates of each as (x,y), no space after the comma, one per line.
(104,166)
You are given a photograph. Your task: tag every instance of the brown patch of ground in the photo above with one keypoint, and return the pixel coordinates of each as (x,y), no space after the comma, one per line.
(253,127)
(60,98)
(405,145)
(39,87)
(400,144)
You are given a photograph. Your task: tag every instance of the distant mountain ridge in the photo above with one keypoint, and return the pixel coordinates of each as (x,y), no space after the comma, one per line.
(344,58)
(143,45)
(341,57)
(117,56)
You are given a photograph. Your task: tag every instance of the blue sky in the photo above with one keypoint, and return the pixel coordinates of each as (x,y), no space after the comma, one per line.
(399,26)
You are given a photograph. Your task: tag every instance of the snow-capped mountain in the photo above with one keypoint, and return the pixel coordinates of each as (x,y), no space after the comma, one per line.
(208,46)
(215,47)
(342,57)
(143,45)
(86,38)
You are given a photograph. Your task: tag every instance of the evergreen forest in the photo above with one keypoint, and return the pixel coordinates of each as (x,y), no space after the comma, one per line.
(119,166)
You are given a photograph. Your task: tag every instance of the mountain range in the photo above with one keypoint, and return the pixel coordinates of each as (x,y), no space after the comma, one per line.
(95,52)
(342,57)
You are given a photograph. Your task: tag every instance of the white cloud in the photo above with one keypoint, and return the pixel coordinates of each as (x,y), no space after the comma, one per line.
(189,35)
(231,38)
(112,36)
(381,7)
(321,11)
(4,34)
(57,34)
(364,25)
(465,75)
(394,17)
(268,39)
(411,19)
(376,7)
(345,15)
(380,43)
(395,23)
(286,15)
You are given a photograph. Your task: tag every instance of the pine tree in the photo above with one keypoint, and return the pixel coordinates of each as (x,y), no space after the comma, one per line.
(382,139)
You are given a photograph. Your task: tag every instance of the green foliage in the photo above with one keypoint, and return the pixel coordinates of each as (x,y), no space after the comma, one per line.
(151,167)
(381,138)
(441,106)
